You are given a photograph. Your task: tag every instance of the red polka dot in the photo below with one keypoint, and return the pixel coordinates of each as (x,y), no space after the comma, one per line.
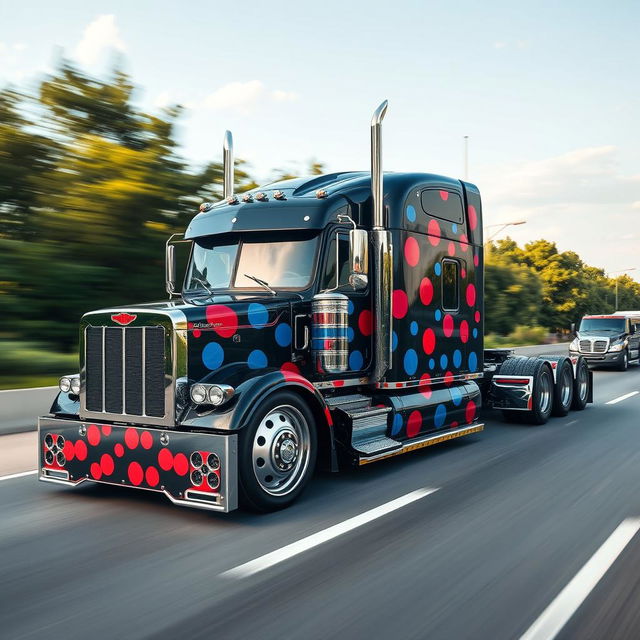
(433,229)
(180,464)
(95,470)
(464,242)
(425,385)
(196,333)
(454,424)
(463,273)
(189,325)
(106,464)
(470,411)
(152,476)
(399,304)
(476,316)
(118,450)
(448,378)
(93,435)
(428,341)
(411,251)
(223,318)
(289,367)
(414,423)
(444,195)
(471,295)
(146,440)
(426,291)
(365,322)
(473,217)
(131,438)
(165,459)
(447,325)
(68,450)
(464,331)
(80,449)
(451,249)
(106,430)
(476,260)
(135,473)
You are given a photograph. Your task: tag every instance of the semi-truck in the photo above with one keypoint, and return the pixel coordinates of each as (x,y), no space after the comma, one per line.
(336,320)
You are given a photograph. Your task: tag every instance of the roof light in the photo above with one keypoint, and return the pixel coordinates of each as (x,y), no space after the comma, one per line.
(322,193)
(279,195)
(247,197)
(232,200)
(261,196)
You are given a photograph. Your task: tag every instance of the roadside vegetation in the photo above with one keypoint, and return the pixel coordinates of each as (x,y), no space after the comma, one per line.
(91,186)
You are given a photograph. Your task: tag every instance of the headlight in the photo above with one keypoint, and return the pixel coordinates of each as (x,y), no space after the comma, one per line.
(199,393)
(75,386)
(216,395)
(619,346)
(65,384)
(575,345)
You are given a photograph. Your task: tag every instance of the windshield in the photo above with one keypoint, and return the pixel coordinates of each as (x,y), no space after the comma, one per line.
(284,264)
(602,324)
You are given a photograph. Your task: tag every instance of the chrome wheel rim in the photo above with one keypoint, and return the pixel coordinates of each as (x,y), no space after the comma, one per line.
(545,393)
(583,377)
(281,448)
(567,384)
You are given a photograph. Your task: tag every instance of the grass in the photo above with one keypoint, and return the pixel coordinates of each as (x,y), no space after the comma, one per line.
(32,364)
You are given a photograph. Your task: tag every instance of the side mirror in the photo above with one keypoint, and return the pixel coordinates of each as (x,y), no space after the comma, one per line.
(573,327)
(170,269)
(359,258)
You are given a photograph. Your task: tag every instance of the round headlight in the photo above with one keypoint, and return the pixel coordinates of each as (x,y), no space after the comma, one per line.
(75,386)
(216,395)
(65,384)
(199,393)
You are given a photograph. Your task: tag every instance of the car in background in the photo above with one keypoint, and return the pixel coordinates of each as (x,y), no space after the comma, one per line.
(609,340)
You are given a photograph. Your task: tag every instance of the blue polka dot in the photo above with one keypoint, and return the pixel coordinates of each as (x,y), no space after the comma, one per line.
(257,359)
(457,358)
(432,363)
(410,362)
(438,268)
(414,328)
(212,355)
(397,424)
(394,340)
(440,416)
(443,361)
(475,332)
(456,395)
(411,214)
(350,334)
(283,334)
(454,228)
(438,315)
(258,315)
(355,361)
(473,361)
(350,307)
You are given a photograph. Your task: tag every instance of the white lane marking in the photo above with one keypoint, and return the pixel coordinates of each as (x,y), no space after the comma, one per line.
(18,475)
(30,389)
(624,397)
(558,613)
(570,423)
(280,555)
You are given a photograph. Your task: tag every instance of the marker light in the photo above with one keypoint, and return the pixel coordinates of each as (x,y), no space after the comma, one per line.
(247,197)
(232,200)
(205,206)
(261,196)
(279,195)
(322,193)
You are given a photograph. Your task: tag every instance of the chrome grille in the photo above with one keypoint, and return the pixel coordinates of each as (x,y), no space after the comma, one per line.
(125,371)
(594,346)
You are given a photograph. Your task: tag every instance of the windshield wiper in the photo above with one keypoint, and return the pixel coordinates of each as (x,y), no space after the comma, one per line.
(262,283)
(207,288)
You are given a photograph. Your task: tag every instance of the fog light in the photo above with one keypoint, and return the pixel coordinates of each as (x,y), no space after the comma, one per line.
(60,442)
(65,384)
(48,441)
(48,457)
(60,459)
(216,395)
(196,478)
(213,461)
(213,480)
(199,393)
(75,386)
(196,459)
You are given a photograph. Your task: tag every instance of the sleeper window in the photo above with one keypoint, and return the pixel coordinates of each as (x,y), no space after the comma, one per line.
(450,285)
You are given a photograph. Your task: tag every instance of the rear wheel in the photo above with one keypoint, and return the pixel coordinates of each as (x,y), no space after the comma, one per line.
(563,396)
(542,398)
(277,453)
(581,385)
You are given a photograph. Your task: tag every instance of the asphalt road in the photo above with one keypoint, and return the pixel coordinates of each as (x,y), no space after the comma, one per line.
(518,512)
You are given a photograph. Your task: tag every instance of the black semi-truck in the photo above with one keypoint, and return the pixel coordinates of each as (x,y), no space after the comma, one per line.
(336,319)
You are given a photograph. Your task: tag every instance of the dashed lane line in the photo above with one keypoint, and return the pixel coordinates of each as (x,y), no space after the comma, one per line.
(624,397)
(18,475)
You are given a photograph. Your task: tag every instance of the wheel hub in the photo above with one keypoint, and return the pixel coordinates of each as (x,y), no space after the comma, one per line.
(285,450)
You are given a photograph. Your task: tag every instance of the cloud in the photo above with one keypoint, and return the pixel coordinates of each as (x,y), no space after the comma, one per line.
(99,36)
(244,97)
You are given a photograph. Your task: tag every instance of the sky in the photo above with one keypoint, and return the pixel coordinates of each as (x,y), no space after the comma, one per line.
(547,92)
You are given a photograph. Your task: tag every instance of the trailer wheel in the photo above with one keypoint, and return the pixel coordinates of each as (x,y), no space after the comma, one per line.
(563,396)
(276,453)
(542,399)
(581,385)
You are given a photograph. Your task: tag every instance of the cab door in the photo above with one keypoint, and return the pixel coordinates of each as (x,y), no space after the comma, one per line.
(633,331)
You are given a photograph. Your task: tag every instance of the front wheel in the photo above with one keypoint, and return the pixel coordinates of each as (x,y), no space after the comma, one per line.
(623,365)
(277,453)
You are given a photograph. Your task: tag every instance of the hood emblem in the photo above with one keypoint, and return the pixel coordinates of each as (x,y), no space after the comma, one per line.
(123,318)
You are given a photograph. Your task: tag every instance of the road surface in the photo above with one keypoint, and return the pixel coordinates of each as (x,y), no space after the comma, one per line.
(523,522)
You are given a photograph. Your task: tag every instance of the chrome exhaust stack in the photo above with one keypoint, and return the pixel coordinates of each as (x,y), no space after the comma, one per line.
(227,164)
(382,255)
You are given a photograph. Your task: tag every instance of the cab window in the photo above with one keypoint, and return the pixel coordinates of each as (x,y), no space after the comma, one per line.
(329,276)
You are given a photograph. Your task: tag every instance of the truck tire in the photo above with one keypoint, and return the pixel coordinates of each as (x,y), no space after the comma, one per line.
(563,392)
(623,365)
(276,453)
(581,385)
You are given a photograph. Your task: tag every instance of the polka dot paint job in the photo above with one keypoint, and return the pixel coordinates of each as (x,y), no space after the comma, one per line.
(429,338)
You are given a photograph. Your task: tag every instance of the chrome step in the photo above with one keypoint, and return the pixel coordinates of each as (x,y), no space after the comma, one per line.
(376,446)
(350,401)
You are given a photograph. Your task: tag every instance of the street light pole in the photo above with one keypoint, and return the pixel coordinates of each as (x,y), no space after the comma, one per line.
(617,282)
(466,158)
(502,226)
